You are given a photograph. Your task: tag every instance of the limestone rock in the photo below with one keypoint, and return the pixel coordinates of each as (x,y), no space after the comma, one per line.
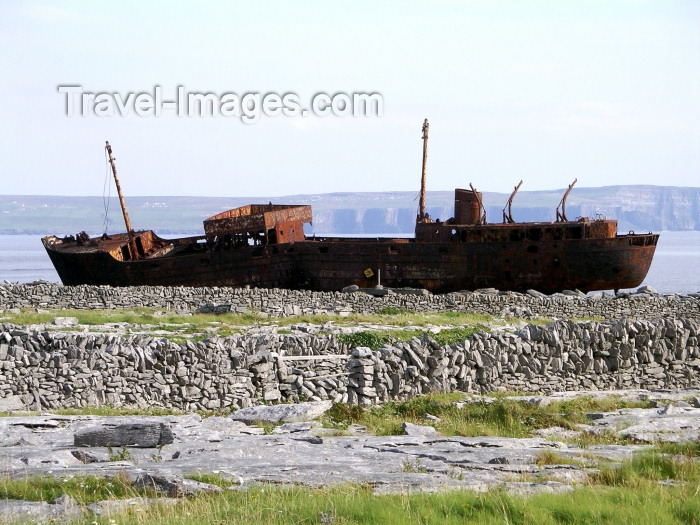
(90,456)
(173,485)
(120,433)
(291,428)
(64,322)
(291,413)
(61,509)
(409,429)
(11,403)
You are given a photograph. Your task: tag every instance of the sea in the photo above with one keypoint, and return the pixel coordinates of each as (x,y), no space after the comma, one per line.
(675,268)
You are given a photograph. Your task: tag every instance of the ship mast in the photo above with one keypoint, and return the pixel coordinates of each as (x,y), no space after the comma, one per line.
(421,211)
(133,252)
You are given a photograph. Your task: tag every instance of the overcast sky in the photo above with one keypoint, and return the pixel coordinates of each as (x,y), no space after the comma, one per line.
(606,92)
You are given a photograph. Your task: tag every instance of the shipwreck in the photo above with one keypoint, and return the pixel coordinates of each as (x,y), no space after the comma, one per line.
(264,245)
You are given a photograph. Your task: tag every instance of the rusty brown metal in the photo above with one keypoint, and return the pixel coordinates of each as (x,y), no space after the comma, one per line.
(268,223)
(421,206)
(443,257)
(561,216)
(134,254)
(477,197)
(263,245)
(467,207)
(508,217)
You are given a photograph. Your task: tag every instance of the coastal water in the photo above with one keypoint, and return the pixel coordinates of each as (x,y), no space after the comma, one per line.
(675,269)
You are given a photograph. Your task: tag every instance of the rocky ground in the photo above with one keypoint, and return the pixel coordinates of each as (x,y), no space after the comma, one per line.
(163,452)
(293,448)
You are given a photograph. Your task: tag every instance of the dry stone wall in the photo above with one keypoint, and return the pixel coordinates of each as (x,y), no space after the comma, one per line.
(41,369)
(282,303)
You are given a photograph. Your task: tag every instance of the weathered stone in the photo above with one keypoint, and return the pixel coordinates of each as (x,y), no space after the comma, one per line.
(61,509)
(11,403)
(50,369)
(64,322)
(90,456)
(144,434)
(282,413)
(172,485)
(409,429)
(290,428)
(361,352)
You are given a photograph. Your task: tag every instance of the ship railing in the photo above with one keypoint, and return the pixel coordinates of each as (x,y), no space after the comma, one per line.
(642,239)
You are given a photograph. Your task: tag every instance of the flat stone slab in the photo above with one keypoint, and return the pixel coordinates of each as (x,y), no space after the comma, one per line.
(125,431)
(661,397)
(650,425)
(291,413)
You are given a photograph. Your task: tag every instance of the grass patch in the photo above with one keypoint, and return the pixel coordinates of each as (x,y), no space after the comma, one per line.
(191,327)
(456,335)
(375,339)
(413,466)
(501,417)
(84,489)
(115,411)
(393,310)
(356,504)
(649,467)
(181,339)
(387,315)
(689,450)
(212,479)
(552,457)
(122,455)
(371,339)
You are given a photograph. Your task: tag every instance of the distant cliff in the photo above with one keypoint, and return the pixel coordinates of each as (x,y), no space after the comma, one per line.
(637,208)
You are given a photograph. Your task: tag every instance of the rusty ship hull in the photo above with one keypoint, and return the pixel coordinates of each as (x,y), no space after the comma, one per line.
(264,245)
(332,263)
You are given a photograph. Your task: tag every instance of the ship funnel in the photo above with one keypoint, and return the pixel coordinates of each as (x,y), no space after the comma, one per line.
(467,207)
